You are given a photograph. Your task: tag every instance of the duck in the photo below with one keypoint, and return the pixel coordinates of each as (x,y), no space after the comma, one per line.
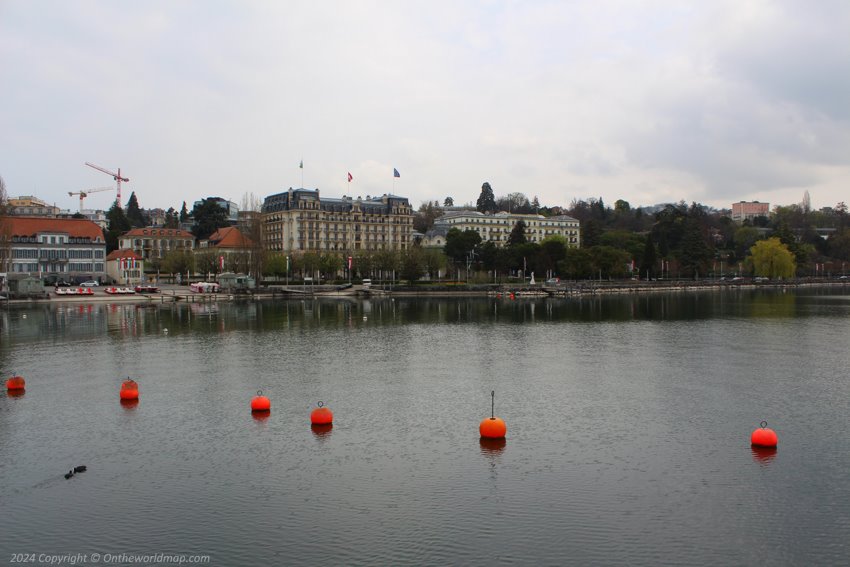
(79,469)
(69,474)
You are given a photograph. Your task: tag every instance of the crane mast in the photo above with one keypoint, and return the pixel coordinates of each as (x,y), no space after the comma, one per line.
(116,176)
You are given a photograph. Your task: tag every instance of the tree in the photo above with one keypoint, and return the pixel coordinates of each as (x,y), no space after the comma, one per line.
(330,264)
(209,217)
(117,224)
(460,244)
(647,264)
(449,202)
(413,265)
(184,213)
(134,213)
(515,203)
(517,235)
(424,218)
(553,249)
(695,253)
(251,227)
(590,233)
(609,262)
(171,218)
(5,229)
(178,262)
(772,259)
(207,263)
(577,264)
(486,200)
(433,261)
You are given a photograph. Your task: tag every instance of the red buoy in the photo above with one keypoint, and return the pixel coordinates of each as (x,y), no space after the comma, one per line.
(129,390)
(764,436)
(321,415)
(492,427)
(16,383)
(260,402)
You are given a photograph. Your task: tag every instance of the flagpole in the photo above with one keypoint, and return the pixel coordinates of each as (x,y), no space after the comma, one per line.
(302,173)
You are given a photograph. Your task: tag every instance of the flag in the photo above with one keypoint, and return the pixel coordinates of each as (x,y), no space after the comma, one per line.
(301,165)
(349,262)
(396,173)
(349,177)
(221,262)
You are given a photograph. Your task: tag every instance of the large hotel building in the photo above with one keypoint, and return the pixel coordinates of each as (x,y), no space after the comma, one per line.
(299,220)
(497,227)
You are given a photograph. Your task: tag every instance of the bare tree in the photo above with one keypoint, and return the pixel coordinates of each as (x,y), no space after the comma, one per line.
(5,229)
(251,227)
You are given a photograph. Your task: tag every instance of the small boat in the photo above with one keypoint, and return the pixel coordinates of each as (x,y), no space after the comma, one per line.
(144,288)
(119,291)
(204,287)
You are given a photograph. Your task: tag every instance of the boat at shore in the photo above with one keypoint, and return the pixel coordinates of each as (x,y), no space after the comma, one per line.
(119,291)
(74,291)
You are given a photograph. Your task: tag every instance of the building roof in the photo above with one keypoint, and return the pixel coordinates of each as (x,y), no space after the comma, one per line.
(31,226)
(229,237)
(118,254)
(159,232)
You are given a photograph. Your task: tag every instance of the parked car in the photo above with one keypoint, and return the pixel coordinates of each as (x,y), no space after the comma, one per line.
(553,281)
(62,283)
(90,283)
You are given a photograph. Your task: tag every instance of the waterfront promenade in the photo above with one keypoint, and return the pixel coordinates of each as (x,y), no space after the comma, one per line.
(174,293)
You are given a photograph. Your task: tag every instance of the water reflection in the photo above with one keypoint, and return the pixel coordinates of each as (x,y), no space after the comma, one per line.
(763,455)
(492,447)
(15,393)
(322,431)
(129,404)
(260,415)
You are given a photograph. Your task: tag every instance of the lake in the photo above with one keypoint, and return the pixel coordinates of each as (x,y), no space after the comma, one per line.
(628,417)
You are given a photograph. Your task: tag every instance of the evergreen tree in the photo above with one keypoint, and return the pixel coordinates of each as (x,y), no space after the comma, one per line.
(647,264)
(117,224)
(209,217)
(449,202)
(517,235)
(171,219)
(486,200)
(184,213)
(695,253)
(134,213)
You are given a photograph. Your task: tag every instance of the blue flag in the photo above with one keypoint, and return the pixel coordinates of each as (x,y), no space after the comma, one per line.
(396,173)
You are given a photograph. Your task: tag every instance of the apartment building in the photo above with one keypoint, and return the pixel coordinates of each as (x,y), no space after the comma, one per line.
(54,249)
(744,210)
(155,243)
(301,220)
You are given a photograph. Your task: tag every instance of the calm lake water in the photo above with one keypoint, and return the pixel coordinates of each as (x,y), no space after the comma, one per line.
(628,431)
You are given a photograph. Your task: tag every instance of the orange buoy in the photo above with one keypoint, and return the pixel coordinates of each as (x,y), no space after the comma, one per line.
(260,402)
(16,383)
(129,390)
(321,415)
(764,436)
(492,427)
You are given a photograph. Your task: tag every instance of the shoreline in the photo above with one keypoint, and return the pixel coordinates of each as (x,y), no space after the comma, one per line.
(491,290)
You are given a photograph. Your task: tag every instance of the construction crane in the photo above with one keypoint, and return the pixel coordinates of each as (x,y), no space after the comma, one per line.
(116,176)
(84,194)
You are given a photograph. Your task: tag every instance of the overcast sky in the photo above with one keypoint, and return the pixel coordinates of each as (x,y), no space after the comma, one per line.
(649,101)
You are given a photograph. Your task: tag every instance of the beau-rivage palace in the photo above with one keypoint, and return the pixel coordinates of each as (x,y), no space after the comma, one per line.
(299,220)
